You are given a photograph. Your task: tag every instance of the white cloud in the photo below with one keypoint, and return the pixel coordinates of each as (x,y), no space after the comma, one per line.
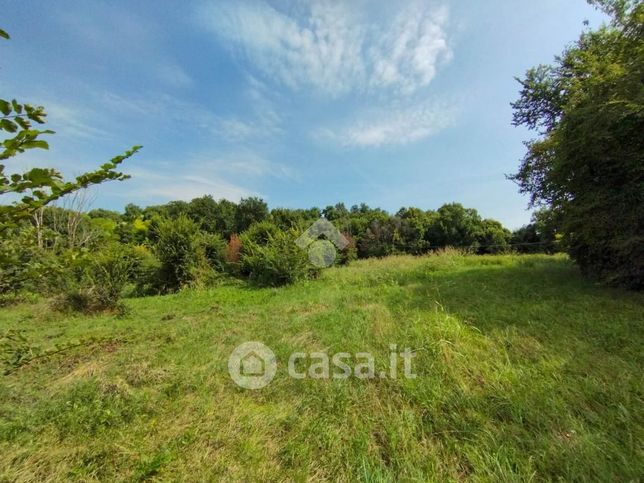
(151,185)
(244,164)
(393,126)
(336,47)
(224,176)
(410,49)
(72,121)
(262,121)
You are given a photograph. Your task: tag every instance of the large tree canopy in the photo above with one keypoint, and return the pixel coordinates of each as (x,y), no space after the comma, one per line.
(588,162)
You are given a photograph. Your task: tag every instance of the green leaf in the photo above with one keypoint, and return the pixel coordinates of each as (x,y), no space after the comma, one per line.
(5,107)
(36,144)
(40,176)
(16,107)
(23,124)
(7,125)
(4,34)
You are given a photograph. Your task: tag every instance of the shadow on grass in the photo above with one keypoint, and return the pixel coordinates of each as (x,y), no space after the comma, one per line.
(544,298)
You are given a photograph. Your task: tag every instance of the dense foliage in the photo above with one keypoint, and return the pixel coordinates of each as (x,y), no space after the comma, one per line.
(588,163)
(88,259)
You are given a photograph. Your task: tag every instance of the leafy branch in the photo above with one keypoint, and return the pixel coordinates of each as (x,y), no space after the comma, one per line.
(40,186)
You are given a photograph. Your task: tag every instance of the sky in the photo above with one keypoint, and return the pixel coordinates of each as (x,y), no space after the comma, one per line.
(304,104)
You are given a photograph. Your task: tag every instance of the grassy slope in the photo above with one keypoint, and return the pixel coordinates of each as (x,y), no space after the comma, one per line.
(525,371)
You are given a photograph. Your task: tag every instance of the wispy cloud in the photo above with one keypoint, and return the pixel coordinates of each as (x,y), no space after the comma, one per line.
(156,186)
(105,30)
(408,52)
(260,121)
(72,121)
(242,164)
(334,47)
(392,126)
(225,176)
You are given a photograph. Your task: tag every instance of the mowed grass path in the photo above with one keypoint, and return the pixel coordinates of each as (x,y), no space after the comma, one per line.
(525,372)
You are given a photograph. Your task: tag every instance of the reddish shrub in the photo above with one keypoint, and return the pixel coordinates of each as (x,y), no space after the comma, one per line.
(233,249)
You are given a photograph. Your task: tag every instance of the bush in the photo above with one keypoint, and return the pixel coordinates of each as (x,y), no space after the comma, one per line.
(187,256)
(145,276)
(97,284)
(260,233)
(233,250)
(349,253)
(177,247)
(215,251)
(24,267)
(278,262)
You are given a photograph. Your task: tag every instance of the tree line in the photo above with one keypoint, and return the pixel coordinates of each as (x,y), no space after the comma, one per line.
(373,231)
(89,258)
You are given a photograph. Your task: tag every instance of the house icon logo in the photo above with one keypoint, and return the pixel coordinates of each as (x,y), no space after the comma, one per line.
(252,365)
(322,240)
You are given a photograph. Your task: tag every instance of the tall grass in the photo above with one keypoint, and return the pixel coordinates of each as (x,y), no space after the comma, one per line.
(525,372)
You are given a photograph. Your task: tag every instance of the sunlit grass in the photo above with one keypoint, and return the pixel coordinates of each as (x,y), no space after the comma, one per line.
(524,371)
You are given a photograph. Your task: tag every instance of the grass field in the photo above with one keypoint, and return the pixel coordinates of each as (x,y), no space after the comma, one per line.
(525,372)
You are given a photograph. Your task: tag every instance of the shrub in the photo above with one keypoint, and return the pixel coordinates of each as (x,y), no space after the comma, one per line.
(109,273)
(349,253)
(260,233)
(24,267)
(278,262)
(187,256)
(177,247)
(214,250)
(96,284)
(145,276)
(233,250)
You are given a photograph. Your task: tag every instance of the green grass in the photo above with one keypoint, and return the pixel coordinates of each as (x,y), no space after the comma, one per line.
(525,372)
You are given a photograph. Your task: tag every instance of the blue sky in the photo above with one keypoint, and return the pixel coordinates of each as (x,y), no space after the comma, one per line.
(302,103)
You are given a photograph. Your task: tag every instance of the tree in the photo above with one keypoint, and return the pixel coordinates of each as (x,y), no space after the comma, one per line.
(455,226)
(225,218)
(381,238)
(493,238)
(203,211)
(115,216)
(588,162)
(132,212)
(414,224)
(336,212)
(541,235)
(249,211)
(39,186)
